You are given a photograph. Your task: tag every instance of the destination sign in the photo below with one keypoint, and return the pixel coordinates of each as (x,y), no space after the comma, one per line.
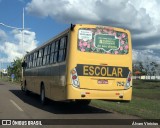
(102,71)
(106,42)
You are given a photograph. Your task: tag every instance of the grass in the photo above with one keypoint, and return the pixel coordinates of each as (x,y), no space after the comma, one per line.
(6,79)
(147,89)
(145,103)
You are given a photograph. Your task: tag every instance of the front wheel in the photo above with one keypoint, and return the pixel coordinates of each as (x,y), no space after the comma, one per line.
(42,95)
(22,89)
(26,90)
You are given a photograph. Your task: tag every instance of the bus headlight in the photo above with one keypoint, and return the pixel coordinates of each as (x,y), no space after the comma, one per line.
(74,78)
(128,81)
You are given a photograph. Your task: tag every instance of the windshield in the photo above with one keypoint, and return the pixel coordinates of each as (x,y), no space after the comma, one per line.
(102,40)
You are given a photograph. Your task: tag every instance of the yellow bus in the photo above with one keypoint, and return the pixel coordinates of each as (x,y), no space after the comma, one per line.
(82,63)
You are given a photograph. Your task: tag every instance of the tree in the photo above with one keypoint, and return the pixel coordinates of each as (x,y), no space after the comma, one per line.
(154,67)
(139,66)
(16,68)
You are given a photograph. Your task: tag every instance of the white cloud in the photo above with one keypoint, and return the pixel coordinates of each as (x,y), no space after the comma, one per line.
(145,55)
(153,46)
(30,41)
(3,35)
(117,12)
(141,17)
(152,8)
(63,10)
(16,48)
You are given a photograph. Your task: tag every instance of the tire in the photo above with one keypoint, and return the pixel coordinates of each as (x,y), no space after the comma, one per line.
(25,89)
(42,95)
(22,89)
(82,102)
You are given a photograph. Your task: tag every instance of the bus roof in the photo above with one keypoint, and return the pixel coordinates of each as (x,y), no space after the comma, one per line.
(53,38)
(64,32)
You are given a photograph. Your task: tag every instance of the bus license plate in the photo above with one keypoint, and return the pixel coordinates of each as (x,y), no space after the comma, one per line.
(102,81)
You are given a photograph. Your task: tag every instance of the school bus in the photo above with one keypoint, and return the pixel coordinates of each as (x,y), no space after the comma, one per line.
(82,63)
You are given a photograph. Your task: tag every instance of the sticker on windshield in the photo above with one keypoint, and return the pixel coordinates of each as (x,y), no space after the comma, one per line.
(85,35)
(102,40)
(106,42)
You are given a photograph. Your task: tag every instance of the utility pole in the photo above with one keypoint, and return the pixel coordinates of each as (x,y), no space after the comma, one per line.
(22,46)
(2,70)
(23,31)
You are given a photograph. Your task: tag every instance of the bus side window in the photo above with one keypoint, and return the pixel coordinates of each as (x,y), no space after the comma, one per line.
(36,56)
(52,52)
(35,59)
(40,57)
(37,64)
(29,64)
(51,58)
(56,51)
(44,60)
(52,47)
(48,54)
(62,51)
(38,60)
(33,63)
(26,60)
(65,47)
(57,46)
(60,56)
(31,60)
(44,55)
(47,59)
(62,43)
(49,49)
(55,57)
(45,50)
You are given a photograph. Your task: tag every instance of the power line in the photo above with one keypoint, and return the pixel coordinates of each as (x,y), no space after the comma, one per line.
(8,26)
(12,27)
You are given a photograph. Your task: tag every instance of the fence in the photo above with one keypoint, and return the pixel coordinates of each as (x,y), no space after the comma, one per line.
(147,77)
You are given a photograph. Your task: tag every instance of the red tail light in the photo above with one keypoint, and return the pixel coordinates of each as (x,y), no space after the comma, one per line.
(129,79)
(74,77)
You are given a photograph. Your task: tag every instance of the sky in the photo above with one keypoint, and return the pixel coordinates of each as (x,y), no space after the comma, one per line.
(46,18)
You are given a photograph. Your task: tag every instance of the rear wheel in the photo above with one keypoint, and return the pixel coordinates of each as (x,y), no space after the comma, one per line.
(42,95)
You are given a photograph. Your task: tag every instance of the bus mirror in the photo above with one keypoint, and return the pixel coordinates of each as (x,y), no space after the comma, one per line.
(72,27)
(24,64)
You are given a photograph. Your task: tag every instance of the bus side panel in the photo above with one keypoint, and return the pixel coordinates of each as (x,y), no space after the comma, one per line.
(29,80)
(57,84)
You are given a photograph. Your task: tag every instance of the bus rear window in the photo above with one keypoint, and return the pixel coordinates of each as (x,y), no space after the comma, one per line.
(102,40)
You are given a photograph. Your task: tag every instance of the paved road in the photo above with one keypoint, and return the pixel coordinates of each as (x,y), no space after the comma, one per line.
(14,104)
